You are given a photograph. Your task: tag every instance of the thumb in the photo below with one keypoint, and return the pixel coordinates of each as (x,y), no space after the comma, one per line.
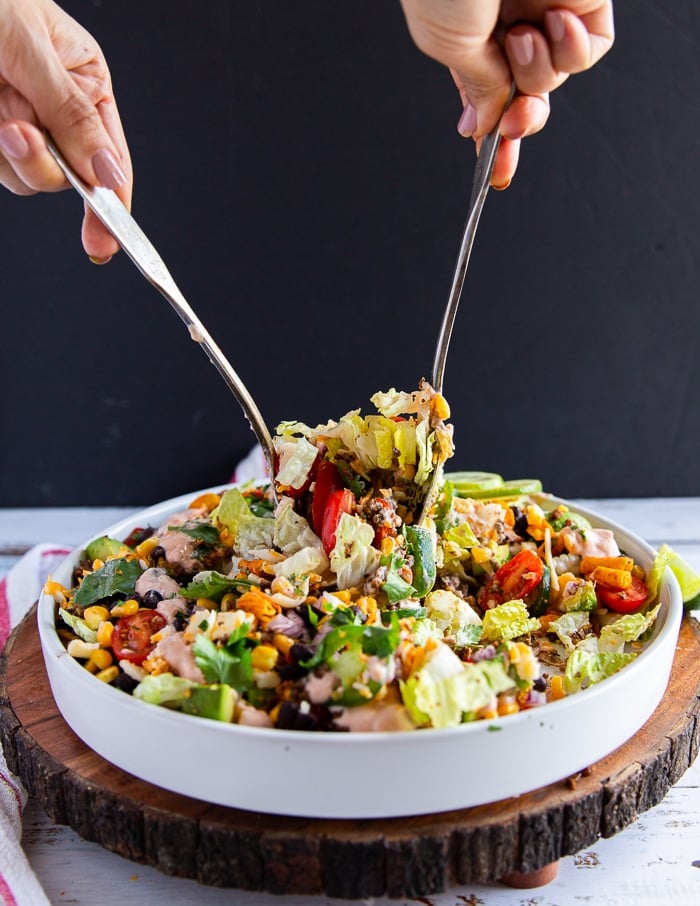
(484,81)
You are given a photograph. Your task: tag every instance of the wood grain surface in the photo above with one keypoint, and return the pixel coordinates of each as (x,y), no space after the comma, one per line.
(402,857)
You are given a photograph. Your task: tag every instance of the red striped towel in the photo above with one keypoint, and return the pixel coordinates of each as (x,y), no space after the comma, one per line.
(18,591)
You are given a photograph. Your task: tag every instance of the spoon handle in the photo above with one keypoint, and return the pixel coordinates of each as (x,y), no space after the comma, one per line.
(113,214)
(480,187)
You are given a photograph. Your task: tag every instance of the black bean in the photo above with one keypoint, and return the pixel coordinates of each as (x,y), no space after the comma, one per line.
(299,652)
(540,684)
(158,553)
(152,598)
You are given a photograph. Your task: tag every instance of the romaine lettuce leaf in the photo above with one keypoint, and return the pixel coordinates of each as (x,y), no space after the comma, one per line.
(249,531)
(507,621)
(444,690)
(162,688)
(353,556)
(627,628)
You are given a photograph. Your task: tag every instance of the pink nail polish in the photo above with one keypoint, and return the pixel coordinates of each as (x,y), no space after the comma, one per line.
(467,121)
(522,47)
(556,26)
(107,169)
(13,143)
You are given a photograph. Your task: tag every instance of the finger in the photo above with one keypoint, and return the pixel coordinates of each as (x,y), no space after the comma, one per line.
(530,61)
(24,148)
(98,242)
(69,114)
(10,180)
(506,163)
(526,115)
(578,42)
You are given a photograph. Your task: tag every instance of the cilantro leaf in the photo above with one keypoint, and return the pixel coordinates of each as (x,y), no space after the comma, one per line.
(115,577)
(200,531)
(223,664)
(395,587)
(214,585)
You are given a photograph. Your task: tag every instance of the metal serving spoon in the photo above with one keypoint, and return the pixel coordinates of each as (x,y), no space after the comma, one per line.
(480,187)
(111,211)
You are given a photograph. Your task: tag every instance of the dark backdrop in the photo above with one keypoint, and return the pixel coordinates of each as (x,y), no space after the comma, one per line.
(298,167)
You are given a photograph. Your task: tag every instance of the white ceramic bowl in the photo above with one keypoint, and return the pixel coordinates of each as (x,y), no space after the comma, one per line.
(360,775)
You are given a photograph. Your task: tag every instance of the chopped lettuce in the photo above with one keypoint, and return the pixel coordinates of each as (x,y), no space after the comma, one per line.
(78,625)
(295,461)
(569,625)
(249,532)
(586,666)
(353,556)
(454,617)
(292,532)
(445,690)
(507,621)
(627,628)
(163,688)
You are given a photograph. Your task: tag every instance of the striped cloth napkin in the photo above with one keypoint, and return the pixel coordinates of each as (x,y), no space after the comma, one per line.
(19,590)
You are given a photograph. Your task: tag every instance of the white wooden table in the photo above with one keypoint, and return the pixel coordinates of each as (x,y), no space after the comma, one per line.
(656,859)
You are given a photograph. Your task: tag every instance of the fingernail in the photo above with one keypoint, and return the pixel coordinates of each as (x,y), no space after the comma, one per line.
(523,48)
(100,260)
(556,26)
(467,121)
(502,187)
(13,143)
(107,169)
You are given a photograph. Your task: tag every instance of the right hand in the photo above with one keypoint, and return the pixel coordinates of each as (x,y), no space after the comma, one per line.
(54,78)
(486,44)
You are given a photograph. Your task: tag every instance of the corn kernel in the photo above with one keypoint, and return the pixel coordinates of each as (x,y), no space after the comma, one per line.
(97,563)
(480,555)
(143,549)
(556,688)
(125,608)
(95,615)
(108,675)
(99,660)
(207,604)
(344,595)
(205,502)
(441,407)
(80,649)
(508,706)
(264,657)
(228,602)
(58,592)
(282,643)
(104,634)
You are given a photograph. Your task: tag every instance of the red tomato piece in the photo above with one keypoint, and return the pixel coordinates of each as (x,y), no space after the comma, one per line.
(328,481)
(517,578)
(131,639)
(623,600)
(338,503)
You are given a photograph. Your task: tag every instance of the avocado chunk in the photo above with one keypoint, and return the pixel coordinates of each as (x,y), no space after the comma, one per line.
(104,547)
(215,702)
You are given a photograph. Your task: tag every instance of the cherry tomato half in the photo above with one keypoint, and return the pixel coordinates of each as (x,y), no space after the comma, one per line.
(328,481)
(338,503)
(517,578)
(131,639)
(623,600)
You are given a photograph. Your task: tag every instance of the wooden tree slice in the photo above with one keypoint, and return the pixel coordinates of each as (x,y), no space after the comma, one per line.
(402,857)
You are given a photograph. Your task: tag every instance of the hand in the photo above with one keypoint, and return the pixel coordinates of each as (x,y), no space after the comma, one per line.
(488,43)
(53,77)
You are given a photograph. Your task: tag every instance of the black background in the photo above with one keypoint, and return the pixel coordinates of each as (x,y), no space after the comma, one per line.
(298,167)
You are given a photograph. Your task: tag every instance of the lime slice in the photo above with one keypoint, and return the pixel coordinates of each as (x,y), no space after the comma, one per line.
(688,579)
(514,488)
(474,481)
